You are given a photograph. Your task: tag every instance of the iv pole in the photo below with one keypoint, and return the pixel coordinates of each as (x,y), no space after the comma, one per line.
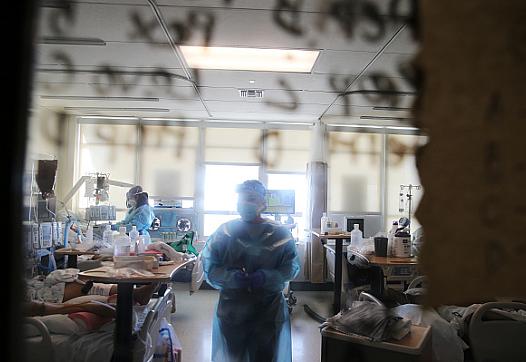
(409,196)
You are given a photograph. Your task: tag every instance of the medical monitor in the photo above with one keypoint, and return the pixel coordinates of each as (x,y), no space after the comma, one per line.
(369,224)
(280,202)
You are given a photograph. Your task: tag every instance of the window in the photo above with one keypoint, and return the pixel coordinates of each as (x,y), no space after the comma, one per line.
(220,192)
(168,160)
(401,170)
(288,150)
(354,172)
(232,145)
(296,182)
(108,149)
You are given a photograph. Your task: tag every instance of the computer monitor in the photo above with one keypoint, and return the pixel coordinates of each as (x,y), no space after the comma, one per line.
(280,202)
(369,224)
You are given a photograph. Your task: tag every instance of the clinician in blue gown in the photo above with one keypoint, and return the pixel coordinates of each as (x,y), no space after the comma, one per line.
(249,260)
(139,213)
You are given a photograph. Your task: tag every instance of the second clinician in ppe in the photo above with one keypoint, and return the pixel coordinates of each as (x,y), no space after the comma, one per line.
(139,212)
(249,260)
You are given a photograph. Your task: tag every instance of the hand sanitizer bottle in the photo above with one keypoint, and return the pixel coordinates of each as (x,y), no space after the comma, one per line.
(356,237)
(324,223)
(107,235)
(134,238)
(122,243)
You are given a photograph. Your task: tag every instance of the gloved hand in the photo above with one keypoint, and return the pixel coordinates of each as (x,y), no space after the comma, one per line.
(257,279)
(241,279)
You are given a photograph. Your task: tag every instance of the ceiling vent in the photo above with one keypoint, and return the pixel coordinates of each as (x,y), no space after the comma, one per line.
(251,93)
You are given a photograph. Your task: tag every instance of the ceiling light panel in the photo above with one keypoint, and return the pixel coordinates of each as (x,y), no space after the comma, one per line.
(254,59)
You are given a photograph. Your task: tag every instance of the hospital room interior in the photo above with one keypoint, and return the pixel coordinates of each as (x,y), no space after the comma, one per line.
(281,180)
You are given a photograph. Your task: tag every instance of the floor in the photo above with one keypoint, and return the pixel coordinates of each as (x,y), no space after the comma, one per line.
(192,322)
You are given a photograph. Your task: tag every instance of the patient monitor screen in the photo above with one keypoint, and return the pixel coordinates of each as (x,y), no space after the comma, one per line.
(280,202)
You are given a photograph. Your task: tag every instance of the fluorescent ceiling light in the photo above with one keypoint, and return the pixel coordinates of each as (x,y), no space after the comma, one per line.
(107,117)
(404,128)
(72,41)
(124,109)
(270,60)
(292,123)
(379,108)
(230,121)
(169,119)
(382,118)
(354,125)
(101,98)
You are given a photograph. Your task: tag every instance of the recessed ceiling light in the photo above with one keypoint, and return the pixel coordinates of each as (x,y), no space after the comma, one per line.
(252,81)
(256,59)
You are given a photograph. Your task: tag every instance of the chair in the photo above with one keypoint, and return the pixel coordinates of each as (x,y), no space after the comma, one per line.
(497,339)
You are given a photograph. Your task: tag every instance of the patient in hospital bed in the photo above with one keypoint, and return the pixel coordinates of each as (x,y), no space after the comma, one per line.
(62,285)
(77,316)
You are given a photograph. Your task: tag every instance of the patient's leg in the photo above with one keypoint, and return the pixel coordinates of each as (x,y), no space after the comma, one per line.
(78,288)
(45,308)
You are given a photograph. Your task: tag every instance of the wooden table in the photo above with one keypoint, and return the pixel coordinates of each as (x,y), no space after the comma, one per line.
(384,263)
(72,255)
(123,324)
(339,238)
(337,346)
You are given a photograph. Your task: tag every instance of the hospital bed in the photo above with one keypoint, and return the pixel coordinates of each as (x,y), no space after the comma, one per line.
(97,346)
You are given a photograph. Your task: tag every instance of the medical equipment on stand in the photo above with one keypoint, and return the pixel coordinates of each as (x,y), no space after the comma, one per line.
(174,217)
(41,229)
(409,195)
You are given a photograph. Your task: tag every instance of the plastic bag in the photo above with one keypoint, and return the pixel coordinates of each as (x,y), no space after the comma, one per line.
(369,319)
(168,348)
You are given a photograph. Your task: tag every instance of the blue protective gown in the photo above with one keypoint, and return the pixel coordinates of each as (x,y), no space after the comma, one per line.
(141,216)
(251,325)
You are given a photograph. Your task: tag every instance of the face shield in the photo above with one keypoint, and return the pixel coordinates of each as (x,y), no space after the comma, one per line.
(250,205)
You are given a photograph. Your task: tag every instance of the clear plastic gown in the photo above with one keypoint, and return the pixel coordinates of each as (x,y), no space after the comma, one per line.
(142,217)
(251,324)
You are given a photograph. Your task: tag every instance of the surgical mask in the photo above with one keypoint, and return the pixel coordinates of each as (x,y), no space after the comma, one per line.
(130,204)
(248,211)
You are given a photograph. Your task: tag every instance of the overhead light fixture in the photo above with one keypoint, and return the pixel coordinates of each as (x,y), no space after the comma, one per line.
(108,117)
(382,118)
(402,128)
(123,109)
(170,119)
(292,123)
(230,121)
(379,108)
(101,98)
(72,41)
(353,125)
(255,59)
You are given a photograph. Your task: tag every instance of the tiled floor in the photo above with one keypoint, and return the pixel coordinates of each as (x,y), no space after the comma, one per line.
(193,324)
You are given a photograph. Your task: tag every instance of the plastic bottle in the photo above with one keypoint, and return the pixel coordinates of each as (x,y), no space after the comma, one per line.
(390,237)
(356,236)
(134,238)
(141,247)
(107,235)
(325,223)
(122,243)
(89,234)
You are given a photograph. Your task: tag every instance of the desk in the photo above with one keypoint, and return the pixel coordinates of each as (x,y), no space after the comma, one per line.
(72,255)
(123,323)
(337,271)
(337,346)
